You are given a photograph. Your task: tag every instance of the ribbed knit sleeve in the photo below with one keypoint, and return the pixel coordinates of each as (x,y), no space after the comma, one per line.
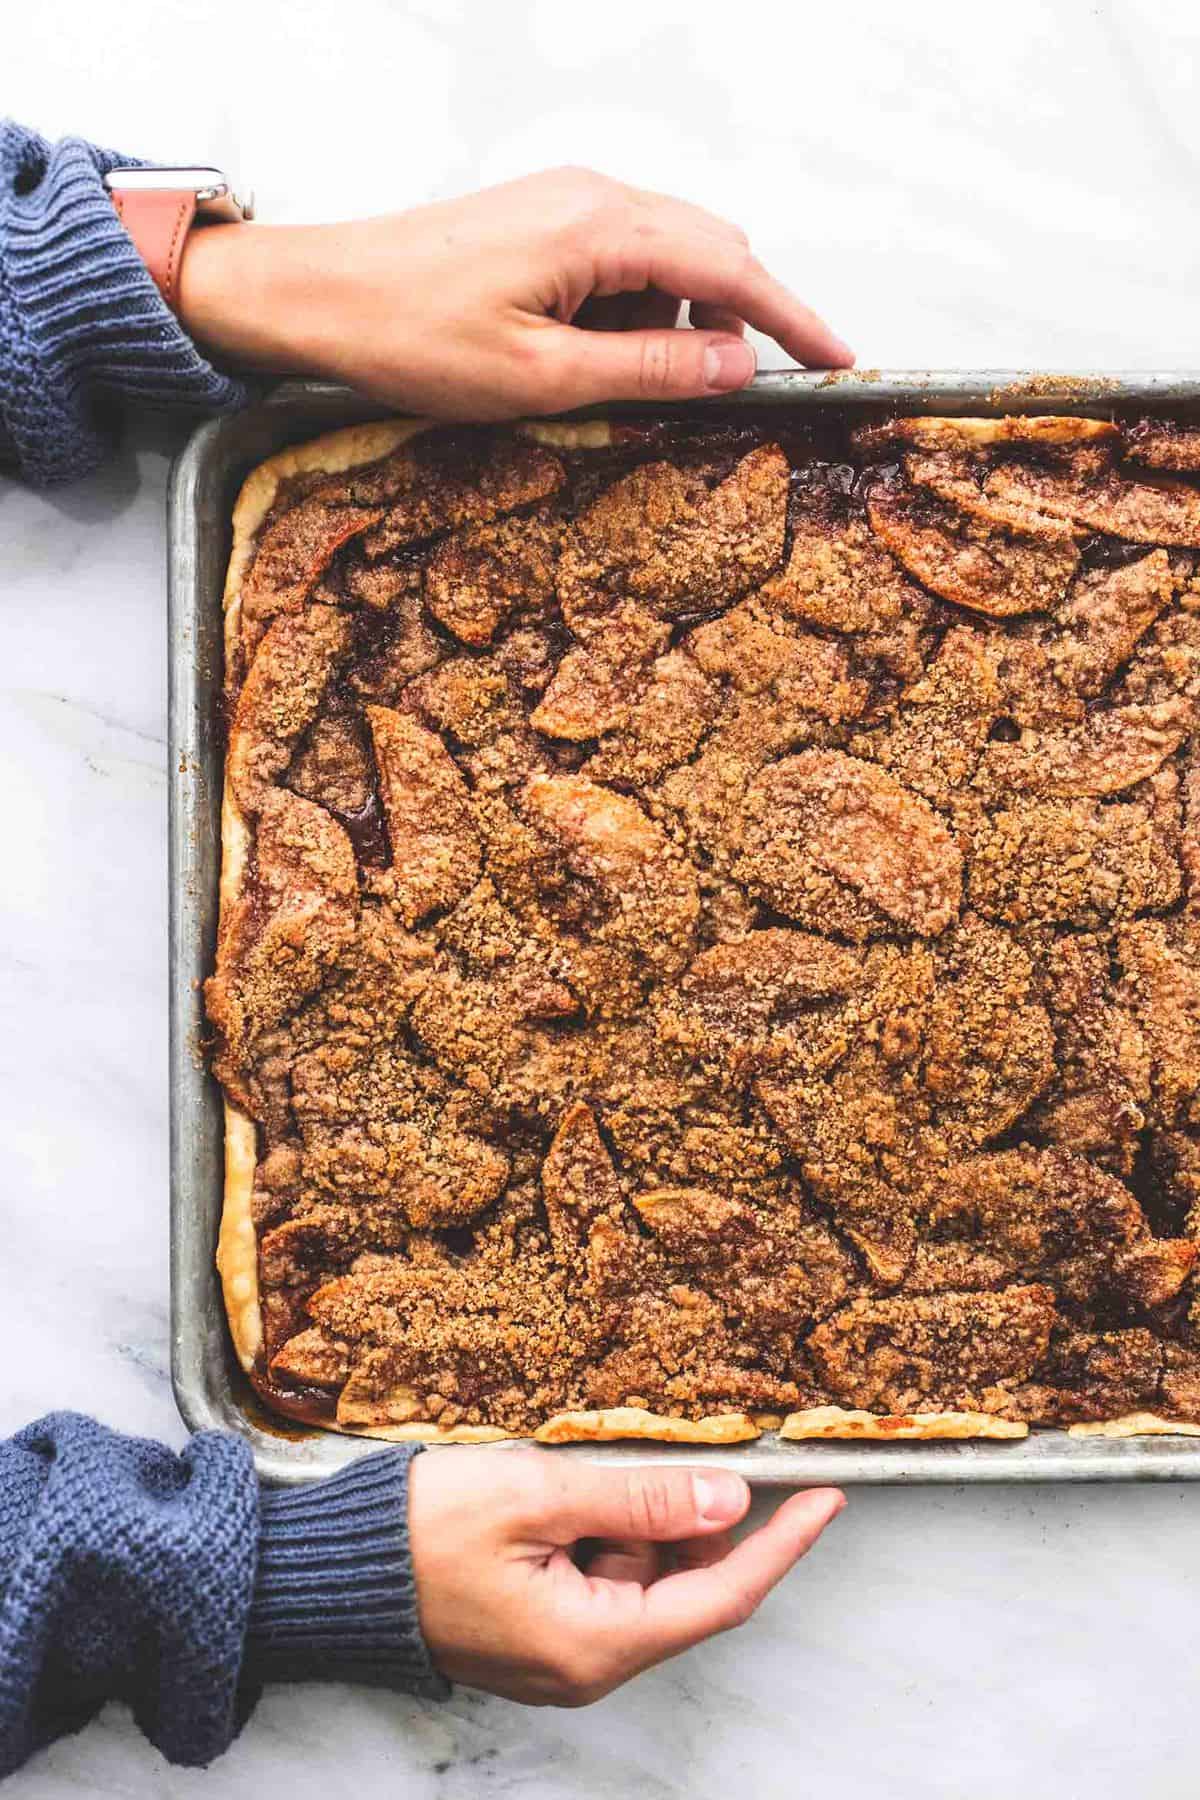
(82,325)
(169,1582)
(335,1595)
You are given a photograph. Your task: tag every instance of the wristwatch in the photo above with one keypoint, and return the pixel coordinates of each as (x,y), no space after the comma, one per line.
(158,207)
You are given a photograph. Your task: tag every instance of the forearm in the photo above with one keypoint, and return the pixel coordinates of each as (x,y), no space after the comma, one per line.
(82,325)
(170,1582)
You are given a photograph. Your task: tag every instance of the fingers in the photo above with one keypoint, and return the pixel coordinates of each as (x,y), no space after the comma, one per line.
(608,1630)
(669,212)
(650,311)
(592,366)
(719,272)
(658,1504)
(701,1553)
(684,1608)
(631,1559)
(628,1559)
(715,318)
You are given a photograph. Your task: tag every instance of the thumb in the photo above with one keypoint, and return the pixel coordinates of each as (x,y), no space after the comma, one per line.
(678,364)
(658,1504)
(685,1607)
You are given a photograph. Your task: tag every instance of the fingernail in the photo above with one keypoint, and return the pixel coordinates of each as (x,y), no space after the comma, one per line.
(719,1499)
(728,363)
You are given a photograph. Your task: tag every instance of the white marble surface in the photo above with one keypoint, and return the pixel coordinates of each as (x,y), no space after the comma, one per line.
(951,185)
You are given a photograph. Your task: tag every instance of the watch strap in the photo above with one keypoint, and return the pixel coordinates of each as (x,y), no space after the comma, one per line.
(158,221)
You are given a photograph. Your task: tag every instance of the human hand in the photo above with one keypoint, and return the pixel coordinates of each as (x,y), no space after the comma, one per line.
(472,308)
(553,1581)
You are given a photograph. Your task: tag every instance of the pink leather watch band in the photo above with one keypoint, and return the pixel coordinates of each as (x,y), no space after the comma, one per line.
(158,221)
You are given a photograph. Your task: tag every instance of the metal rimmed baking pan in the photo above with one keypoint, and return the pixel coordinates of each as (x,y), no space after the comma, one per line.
(209,1387)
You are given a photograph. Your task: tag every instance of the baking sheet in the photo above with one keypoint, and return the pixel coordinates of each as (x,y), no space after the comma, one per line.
(211,1391)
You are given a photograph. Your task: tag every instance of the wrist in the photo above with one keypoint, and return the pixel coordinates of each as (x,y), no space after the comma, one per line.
(244,291)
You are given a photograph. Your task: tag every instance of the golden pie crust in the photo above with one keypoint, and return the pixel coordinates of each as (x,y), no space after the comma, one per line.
(710,930)
(1139,1424)
(848,1424)
(636,1422)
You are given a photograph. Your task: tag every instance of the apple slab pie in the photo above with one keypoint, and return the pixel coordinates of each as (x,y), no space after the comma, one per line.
(710,928)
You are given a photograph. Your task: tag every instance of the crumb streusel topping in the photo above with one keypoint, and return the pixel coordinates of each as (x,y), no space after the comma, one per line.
(723,923)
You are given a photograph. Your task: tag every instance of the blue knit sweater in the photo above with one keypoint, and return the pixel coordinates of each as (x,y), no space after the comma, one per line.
(82,325)
(127,1572)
